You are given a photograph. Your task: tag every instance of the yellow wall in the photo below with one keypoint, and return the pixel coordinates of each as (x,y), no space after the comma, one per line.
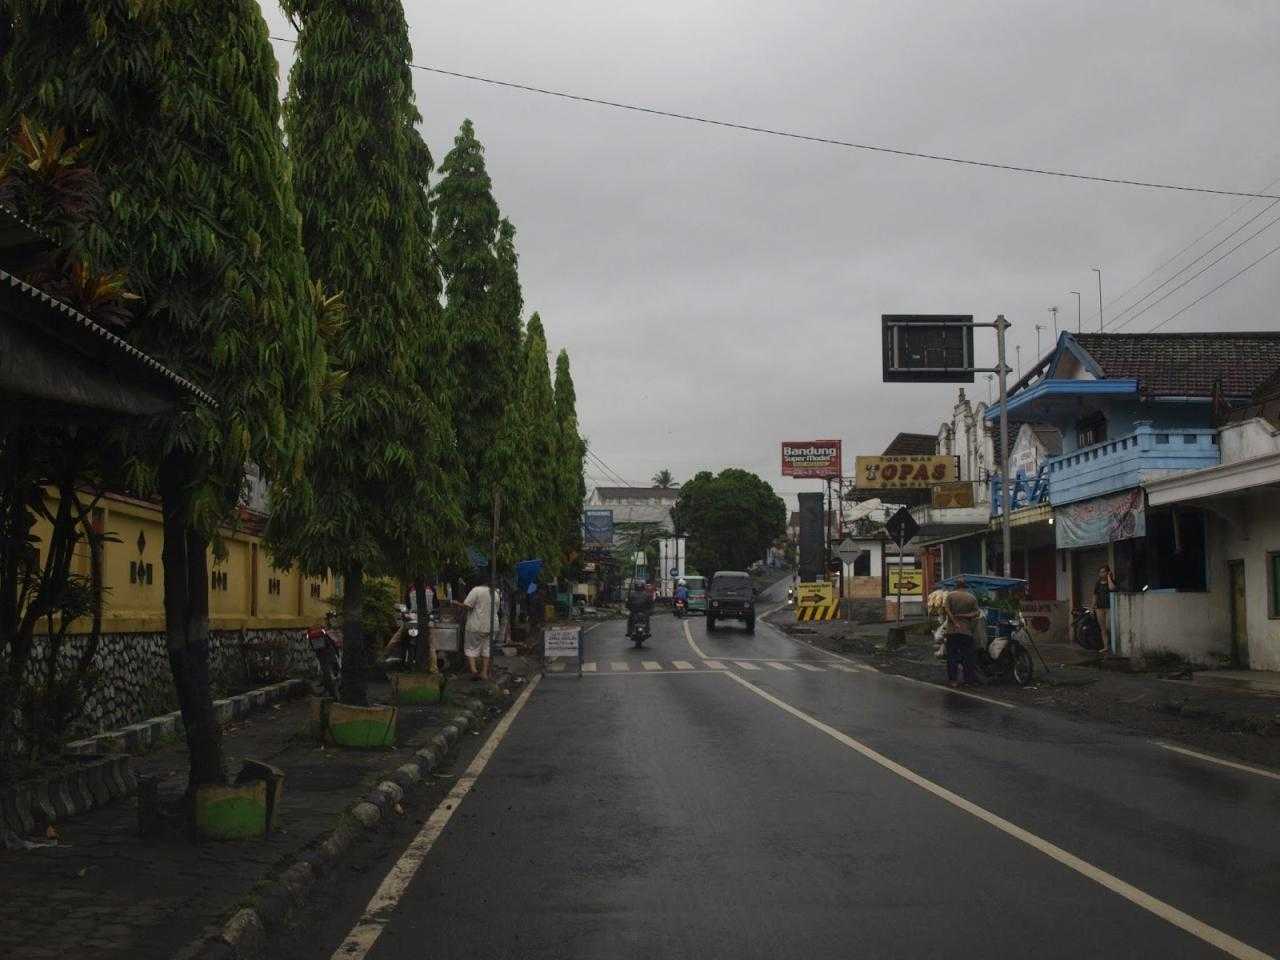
(134,603)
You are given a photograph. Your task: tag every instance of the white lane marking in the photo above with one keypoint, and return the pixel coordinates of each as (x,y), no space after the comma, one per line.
(693,646)
(846,667)
(776,665)
(1171,914)
(589,666)
(556,666)
(378,911)
(651,664)
(682,664)
(958,693)
(1257,771)
(745,665)
(620,665)
(715,664)
(810,667)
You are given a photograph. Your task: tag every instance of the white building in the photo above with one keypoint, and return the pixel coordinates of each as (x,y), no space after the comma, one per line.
(634,507)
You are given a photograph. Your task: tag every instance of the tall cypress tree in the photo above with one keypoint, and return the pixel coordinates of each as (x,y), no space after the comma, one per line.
(571,451)
(538,412)
(476,292)
(180,104)
(385,467)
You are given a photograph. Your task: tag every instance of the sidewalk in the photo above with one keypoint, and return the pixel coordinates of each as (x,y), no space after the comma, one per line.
(1230,713)
(104,892)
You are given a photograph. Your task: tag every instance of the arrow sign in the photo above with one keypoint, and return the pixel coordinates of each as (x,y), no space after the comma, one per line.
(902,527)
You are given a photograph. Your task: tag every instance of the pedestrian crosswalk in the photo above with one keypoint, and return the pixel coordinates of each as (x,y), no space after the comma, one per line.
(694,666)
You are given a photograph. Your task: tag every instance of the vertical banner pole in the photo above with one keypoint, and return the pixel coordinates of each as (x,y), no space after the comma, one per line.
(1006,537)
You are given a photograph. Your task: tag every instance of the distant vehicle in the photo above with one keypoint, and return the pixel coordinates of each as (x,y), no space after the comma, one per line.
(731,596)
(697,593)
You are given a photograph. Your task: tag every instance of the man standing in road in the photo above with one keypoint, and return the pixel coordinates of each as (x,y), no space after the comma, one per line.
(962,614)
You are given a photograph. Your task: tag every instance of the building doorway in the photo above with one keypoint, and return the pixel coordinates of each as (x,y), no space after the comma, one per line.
(1239,615)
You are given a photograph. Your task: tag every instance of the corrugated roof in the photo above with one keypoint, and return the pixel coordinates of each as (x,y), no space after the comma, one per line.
(638,493)
(912,443)
(1187,364)
(68,322)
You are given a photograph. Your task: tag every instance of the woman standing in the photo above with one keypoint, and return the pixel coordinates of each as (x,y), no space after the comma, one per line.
(1102,605)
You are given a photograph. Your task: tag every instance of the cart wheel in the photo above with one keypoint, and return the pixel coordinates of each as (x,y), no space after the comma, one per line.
(1023,667)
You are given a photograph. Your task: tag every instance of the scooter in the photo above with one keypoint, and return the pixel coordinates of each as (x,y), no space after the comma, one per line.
(638,629)
(406,656)
(681,608)
(791,596)
(1012,656)
(326,643)
(1085,629)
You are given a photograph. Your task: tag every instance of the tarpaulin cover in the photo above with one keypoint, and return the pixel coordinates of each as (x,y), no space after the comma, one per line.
(527,572)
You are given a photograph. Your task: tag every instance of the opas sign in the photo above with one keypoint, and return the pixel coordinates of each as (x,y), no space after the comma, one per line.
(906,471)
(811,458)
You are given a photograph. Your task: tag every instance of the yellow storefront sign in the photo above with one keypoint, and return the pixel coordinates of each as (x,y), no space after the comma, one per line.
(905,471)
(909,582)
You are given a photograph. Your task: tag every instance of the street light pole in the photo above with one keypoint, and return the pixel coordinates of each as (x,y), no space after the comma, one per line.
(1098,271)
(1039,327)
(1054,311)
(1001,326)
(1077,293)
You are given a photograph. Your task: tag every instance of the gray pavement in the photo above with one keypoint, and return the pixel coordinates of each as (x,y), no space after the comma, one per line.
(675,810)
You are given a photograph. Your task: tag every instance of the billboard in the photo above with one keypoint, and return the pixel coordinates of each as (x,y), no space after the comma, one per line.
(906,471)
(947,496)
(811,458)
(597,527)
(927,348)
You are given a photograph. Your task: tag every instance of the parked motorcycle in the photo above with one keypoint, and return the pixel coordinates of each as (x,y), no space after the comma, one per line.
(1085,629)
(1007,655)
(326,643)
(404,649)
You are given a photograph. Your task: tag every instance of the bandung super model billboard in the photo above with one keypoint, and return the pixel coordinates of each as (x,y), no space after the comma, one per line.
(811,458)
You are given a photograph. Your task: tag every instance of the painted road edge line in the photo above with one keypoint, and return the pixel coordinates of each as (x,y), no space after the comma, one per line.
(1167,912)
(689,636)
(378,911)
(1209,758)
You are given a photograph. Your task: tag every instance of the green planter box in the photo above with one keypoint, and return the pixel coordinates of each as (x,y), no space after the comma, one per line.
(408,688)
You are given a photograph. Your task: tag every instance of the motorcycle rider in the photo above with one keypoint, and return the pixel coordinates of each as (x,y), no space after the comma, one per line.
(682,594)
(640,605)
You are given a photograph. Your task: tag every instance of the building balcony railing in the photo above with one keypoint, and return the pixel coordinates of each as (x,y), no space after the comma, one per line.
(1126,462)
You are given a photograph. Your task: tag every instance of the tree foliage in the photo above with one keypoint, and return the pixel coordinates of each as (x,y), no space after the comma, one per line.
(178,105)
(537,409)
(386,469)
(571,450)
(731,519)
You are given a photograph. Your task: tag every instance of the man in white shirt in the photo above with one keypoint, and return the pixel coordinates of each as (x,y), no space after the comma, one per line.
(483,604)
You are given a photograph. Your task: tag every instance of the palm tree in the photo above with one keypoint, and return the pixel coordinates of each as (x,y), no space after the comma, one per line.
(663,479)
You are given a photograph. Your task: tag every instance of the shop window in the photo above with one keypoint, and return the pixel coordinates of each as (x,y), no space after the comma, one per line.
(1092,429)
(862,564)
(1273,585)
(1176,550)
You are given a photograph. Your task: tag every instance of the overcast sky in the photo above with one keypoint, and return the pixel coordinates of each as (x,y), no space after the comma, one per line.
(721,291)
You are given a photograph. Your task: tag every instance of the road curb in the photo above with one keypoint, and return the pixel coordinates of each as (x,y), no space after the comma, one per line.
(248,932)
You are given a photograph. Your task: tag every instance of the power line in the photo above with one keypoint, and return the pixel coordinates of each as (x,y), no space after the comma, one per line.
(1124,293)
(830,141)
(1208,293)
(1199,272)
(608,469)
(1173,276)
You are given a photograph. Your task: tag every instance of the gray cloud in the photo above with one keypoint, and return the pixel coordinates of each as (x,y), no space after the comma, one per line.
(720,292)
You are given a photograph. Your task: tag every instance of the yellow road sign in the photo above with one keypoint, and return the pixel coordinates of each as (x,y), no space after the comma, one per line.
(815,593)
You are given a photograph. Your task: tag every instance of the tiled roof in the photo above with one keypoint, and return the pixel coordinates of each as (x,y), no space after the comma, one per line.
(1186,364)
(912,443)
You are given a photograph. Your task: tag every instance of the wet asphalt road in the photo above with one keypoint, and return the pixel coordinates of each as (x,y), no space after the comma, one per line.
(678,812)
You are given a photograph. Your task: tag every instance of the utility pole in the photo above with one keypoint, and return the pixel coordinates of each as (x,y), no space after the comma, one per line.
(1098,271)
(1054,311)
(990,379)
(1039,327)
(1001,326)
(493,570)
(1018,352)
(1077,293)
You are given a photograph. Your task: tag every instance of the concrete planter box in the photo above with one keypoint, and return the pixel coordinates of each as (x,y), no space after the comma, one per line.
(233,812)
(367,728)
(408,688)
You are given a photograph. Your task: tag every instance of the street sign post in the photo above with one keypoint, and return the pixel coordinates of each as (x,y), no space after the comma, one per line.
(848,551)
(938,348)
(562,642)
(902,527)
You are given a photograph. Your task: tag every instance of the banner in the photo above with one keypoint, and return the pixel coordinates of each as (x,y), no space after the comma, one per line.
(597,527)
(811,458)
(905,472)
(1101,520)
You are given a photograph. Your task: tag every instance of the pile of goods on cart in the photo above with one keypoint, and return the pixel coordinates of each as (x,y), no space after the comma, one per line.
(1003,642)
